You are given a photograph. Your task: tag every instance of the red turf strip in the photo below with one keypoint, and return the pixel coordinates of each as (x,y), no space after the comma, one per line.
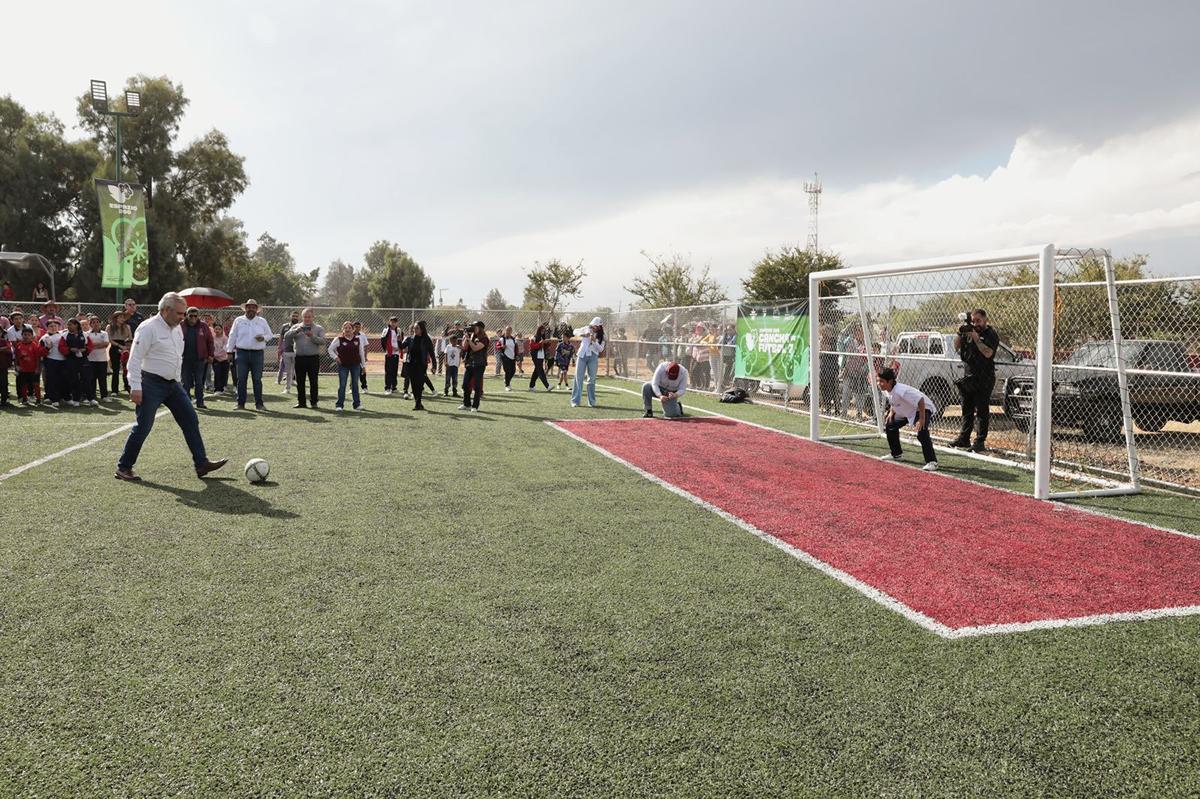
(964,554)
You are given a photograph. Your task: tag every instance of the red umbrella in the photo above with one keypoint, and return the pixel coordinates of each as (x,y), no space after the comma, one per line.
(201,297)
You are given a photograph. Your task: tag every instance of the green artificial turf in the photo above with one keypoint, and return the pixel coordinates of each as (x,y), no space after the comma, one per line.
(458,604)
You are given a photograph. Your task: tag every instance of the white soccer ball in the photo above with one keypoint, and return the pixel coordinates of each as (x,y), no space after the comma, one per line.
(257,470)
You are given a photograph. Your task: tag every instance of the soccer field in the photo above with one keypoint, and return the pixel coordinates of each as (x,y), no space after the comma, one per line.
(453,604)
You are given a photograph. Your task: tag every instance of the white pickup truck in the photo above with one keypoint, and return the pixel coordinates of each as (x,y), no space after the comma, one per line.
(928,361)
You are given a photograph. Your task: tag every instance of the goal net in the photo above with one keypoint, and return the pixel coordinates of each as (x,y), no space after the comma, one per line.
(1060,404)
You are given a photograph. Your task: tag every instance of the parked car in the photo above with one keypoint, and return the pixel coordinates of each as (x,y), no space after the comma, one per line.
(1086,392)
(929,361)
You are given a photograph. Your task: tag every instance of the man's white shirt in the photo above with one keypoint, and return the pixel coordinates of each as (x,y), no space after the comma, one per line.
(157,349)
(904,399)
(243,333)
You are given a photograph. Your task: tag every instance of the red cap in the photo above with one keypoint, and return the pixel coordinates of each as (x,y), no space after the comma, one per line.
(673,371)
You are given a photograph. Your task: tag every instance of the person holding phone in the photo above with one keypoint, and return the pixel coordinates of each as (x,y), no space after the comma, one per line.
(308,342)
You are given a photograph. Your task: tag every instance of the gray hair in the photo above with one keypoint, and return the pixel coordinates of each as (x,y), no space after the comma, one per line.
(169,300)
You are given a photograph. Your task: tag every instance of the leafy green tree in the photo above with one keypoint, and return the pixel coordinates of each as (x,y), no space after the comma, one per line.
(672,282)
(393,279)
(337,284)
(189,188)
(548,287)
(783,275)
(47,204)
(494,301)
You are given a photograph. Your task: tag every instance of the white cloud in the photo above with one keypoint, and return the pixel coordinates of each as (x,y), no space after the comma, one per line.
(1140,185)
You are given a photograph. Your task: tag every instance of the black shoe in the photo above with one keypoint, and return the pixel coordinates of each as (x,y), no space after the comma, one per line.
(418,407)
(958,443)
(126,474)
(260,407)
(978,446)
(210,466)
(648,415)
(299,405)
(241,406)
(201,405)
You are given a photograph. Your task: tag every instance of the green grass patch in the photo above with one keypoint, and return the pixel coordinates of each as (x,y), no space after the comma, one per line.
(458,604)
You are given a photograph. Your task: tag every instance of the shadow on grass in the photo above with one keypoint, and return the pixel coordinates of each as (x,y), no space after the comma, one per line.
(219,495)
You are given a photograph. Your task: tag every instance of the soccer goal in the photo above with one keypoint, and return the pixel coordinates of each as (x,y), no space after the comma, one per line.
(1060,404)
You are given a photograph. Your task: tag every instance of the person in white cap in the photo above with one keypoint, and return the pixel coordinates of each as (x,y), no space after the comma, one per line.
(591,344)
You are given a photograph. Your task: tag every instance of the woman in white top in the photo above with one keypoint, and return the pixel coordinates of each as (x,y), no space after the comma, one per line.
(591,344)
(97,361)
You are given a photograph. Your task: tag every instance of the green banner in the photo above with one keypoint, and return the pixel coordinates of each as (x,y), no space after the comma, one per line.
(123,229)
(772,343)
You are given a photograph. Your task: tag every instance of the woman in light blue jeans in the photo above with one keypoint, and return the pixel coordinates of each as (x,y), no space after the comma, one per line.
(591,344)
(347,349)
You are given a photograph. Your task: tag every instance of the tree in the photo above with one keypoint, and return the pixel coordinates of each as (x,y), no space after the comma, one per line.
(671,284)
(495,302)
(336,287)
(548,287)
(391,279)
(188,189)
(47,205)
(784,275)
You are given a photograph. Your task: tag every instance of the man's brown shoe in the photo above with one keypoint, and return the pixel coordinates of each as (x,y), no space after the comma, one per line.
(126,474)
(210,466)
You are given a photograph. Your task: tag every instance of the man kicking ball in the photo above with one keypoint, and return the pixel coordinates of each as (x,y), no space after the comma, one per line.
(909,406)
(155,364)
(667,386)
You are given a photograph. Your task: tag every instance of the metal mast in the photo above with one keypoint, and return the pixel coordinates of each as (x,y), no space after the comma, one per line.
(813,189)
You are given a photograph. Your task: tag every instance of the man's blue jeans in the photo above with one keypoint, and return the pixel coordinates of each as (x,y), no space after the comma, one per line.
(193,378)
(249,361)
(585,369)
(157,391)
(670,408)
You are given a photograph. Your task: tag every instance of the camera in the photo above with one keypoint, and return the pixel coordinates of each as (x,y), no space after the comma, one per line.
(964,323)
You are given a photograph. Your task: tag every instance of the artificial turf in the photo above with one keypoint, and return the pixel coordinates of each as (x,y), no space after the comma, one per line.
(456,604)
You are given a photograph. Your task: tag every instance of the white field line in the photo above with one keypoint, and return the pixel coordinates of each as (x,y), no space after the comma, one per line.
(888,601)
(938,475)
(47,458)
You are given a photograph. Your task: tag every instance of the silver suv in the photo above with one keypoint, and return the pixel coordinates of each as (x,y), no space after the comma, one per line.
(928,361)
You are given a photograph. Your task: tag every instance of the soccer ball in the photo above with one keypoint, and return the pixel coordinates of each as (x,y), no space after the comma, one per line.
(257,470)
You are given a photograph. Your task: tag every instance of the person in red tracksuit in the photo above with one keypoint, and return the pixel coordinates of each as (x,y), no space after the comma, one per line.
(29,355)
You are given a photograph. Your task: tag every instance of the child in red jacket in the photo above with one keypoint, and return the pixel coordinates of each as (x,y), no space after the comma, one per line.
(29,355)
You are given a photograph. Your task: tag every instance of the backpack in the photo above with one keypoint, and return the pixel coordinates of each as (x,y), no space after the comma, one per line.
(734,395)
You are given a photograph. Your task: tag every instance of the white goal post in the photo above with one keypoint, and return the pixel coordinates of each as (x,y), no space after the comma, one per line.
(906,315)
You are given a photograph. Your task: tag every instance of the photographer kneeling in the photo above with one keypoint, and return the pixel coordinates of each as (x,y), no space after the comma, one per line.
(669,383)
(908,405)
(976,345)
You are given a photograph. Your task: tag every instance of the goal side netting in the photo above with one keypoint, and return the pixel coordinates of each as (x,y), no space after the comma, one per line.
(1060,403)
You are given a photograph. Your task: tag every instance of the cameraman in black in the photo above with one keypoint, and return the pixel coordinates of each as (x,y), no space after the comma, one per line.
(976,345)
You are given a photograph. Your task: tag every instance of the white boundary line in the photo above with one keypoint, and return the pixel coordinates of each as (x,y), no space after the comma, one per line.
(47,458)
(888,601)
(1058,507)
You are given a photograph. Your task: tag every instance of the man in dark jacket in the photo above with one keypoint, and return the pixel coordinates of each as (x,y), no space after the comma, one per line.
(197,354)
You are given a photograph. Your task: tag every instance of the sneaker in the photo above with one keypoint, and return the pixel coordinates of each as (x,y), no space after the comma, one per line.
(338,408)
(593,405)
(260,407)
(241,407)
(25,401)
(53,405)
(95,403)
(201,405)
(978,446)
(550,388)
(574,404)
(387,392)
(889,457)
(73,403)
(463,408)
(531,388)
(474,410)
(405,395)
(958,443)
(508,388)
(299,405)
(358,407)
(648,415)
(932,466)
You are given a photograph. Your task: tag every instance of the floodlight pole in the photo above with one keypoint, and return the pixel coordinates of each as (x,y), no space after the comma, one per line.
(103,109)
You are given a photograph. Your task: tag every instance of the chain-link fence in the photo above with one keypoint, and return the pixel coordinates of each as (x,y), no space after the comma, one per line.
(910,322)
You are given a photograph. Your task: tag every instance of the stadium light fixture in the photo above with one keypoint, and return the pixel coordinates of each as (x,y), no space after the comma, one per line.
(133,103)
(100,96)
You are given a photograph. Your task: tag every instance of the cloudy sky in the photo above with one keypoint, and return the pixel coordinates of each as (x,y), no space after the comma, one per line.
(484,136)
